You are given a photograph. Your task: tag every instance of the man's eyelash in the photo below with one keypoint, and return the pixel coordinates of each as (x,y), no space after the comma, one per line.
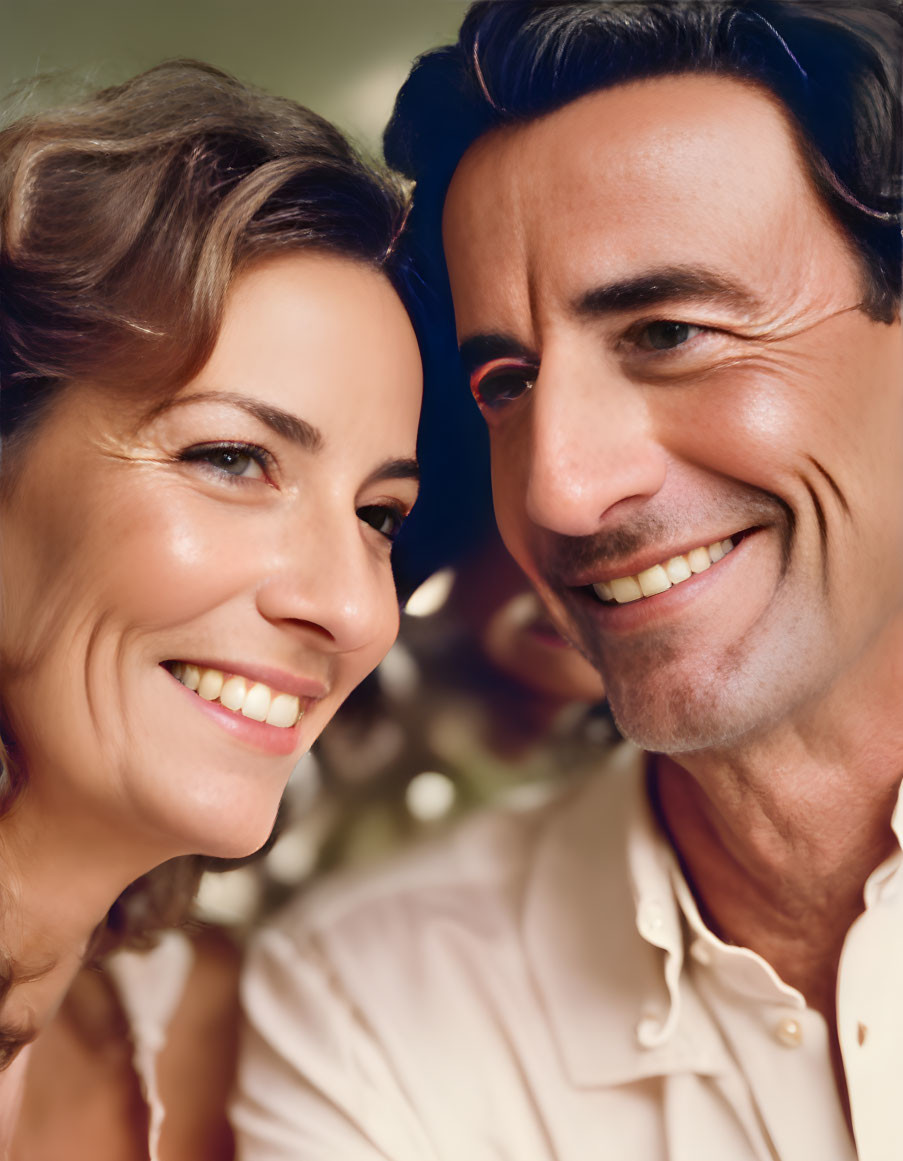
(517,374)
(638,334)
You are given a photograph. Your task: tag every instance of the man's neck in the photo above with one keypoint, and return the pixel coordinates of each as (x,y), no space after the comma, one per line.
(778,835)
(788,889)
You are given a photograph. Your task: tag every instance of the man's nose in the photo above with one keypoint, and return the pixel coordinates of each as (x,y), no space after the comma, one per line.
(592,446)
(328,583)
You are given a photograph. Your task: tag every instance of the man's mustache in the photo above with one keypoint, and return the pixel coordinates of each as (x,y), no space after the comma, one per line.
(563,558)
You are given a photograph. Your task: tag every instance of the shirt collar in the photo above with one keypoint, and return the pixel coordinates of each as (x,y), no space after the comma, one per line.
(605,909)
(885,879)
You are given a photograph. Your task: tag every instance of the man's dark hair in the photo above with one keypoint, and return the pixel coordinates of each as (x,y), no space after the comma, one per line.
(835,66)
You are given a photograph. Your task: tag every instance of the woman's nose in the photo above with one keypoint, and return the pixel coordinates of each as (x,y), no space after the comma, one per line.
(335,583)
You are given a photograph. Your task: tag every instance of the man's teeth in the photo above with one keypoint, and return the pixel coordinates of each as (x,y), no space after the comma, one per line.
(662,577)
(251,698)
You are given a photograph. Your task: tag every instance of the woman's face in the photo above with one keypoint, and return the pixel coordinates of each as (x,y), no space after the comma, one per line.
(243,528)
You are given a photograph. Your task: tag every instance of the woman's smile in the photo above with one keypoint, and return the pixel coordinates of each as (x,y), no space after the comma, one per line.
(243,694)
(261,713)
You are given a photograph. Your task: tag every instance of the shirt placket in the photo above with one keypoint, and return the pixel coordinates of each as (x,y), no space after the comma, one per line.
(870,1016)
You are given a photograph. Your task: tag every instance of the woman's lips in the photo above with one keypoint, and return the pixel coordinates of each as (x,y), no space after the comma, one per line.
(252,699)
(264,716)
(271,739)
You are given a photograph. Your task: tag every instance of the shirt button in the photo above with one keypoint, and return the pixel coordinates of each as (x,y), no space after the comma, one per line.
(648,1032)
(651,919)
(788,1032)
(701,952)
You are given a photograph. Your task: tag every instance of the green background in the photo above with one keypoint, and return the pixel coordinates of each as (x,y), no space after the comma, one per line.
(345,58)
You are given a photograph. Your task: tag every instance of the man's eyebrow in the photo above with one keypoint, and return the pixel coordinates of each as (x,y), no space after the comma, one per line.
(661,286)
(652,288)
(291,427)
(479,349)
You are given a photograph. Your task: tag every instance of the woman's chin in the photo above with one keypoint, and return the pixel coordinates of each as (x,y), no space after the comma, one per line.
(230,831)
(237,838)
(238,845)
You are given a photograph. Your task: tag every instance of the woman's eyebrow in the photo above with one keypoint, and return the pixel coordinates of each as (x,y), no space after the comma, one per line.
(289,426)
(399,469)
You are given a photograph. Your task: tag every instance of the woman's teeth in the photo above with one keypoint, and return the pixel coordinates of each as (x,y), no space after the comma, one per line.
(253,699)
(662,577)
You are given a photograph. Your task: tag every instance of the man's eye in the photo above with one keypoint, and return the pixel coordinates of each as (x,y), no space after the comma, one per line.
(501,381)
(239,460)
(664,335)
(386,519)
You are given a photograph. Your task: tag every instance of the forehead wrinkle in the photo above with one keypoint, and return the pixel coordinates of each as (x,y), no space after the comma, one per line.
(524,256)
(619,151)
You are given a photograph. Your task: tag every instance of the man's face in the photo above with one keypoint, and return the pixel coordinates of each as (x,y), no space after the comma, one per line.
(662,323)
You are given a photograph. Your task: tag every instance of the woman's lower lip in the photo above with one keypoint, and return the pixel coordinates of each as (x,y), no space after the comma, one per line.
(270,739)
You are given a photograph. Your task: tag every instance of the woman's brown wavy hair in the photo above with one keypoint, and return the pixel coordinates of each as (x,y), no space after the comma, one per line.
(124,219)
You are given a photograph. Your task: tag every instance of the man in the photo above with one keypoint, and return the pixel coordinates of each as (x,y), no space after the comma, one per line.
(672,235)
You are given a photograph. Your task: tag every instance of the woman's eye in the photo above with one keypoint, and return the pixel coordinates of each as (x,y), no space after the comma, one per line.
(239,460)
(501,381)
(386,519)
(664,335)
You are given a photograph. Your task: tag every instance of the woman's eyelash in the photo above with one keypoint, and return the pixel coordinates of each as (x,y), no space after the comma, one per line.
(386,519)
(231,459)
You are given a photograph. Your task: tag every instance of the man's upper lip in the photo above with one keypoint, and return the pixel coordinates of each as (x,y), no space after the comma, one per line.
(639,562)
(280,680)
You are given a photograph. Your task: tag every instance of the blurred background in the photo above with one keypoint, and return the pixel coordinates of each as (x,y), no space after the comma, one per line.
(480,700)
(344,58)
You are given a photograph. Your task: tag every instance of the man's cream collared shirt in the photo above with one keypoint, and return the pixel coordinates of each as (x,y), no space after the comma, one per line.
(540,986)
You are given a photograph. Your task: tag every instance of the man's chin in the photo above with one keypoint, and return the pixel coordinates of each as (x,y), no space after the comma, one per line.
(682,719)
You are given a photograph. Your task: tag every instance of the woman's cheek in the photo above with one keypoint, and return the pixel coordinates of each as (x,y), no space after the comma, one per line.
(175,560)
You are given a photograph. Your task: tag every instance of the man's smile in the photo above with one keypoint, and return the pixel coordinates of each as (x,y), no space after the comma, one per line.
(658,578)
(737,574)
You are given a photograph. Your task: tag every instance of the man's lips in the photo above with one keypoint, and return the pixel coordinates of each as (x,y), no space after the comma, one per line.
(597,574)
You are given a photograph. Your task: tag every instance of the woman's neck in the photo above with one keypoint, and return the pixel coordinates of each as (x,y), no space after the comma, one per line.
(58,879)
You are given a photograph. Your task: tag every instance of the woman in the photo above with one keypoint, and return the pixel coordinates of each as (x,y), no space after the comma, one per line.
(209,390)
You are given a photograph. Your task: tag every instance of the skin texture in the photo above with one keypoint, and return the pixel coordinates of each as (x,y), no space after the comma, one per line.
(776,412)
(121,552)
